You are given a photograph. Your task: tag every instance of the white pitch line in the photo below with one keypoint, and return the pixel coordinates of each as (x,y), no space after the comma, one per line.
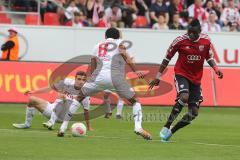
(214,144)
(121,138)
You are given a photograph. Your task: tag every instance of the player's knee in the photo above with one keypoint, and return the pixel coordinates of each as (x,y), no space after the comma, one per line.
(193,109)
(133,100)
(32,100)
(192,116)
(184,97)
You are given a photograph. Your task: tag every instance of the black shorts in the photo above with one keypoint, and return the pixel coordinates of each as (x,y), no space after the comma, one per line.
(183,85)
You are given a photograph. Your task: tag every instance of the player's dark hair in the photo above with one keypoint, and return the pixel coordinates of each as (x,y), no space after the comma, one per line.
(112,33)
(81,73)
(195,24)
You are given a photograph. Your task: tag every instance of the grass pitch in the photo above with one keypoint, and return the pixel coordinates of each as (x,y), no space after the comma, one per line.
(214,135)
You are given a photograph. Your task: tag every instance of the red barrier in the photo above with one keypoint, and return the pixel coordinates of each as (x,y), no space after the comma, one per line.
(228,88)
(18,77)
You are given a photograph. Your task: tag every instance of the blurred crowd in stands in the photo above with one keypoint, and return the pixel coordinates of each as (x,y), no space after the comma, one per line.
(214,15)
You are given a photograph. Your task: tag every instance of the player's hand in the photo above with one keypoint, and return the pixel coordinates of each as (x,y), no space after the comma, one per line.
(28,93)
(140,74)
(155,82)
(61,96)
(122,49)
(219,73)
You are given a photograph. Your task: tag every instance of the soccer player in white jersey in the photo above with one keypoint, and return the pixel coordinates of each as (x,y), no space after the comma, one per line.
(108,72)
(68,89)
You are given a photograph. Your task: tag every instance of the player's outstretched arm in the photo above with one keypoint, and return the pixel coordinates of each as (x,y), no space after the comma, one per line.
(41,90)
(162,67)
(212,63)
(173,48)
(129,61)
(93,64)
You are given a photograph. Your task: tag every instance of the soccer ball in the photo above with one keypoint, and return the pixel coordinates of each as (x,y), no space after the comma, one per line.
(78,130)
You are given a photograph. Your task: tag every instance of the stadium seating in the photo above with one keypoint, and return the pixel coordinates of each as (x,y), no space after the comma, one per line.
(141,22)
(31,19)
(51,19)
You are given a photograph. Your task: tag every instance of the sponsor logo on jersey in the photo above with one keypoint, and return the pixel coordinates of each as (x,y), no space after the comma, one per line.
(194,57)
(201,48)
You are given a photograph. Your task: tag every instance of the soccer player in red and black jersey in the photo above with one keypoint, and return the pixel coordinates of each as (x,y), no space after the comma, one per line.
(193,49)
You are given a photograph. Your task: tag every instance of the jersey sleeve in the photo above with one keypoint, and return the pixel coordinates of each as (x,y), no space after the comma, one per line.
(172,49)
(210,52)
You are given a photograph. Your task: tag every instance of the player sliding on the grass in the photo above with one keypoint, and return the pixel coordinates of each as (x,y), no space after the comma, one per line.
(108,72)
(67,88)
(193,49)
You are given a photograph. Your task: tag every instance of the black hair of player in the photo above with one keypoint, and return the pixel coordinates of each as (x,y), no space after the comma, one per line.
(81,73)
(112,33)
(195,24)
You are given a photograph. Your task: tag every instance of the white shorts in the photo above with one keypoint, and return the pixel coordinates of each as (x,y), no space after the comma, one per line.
(104,82)
(62,106)
(48,110)
(86,103)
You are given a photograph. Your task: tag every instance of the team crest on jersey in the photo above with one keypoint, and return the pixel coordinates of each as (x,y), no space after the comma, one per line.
(182,85)
(201,48)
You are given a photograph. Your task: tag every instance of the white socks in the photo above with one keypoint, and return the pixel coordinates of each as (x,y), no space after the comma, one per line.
(86,103)
(137,114)
(64,126)
(54,117)
(72,109)
(29,115)
(120,106)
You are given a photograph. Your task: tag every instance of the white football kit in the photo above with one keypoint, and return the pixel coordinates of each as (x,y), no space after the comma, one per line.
(110,71)
(61,107)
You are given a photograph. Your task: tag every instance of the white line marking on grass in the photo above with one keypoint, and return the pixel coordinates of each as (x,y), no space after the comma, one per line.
(25,130)
(214,144)
(119,138)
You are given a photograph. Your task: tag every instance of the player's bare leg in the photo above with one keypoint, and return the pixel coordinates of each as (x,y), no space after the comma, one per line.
(34,103)
(137,114)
